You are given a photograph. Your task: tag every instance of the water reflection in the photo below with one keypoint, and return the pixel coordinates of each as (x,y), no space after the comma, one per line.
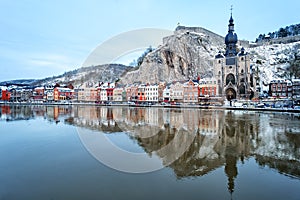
(216,138)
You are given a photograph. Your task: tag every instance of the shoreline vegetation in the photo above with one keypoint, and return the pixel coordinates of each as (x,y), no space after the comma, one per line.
(125,104)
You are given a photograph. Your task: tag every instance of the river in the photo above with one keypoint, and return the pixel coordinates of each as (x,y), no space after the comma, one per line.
(90,152)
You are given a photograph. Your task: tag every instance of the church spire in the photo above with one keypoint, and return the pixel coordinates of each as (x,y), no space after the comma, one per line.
(231,24)
(231,38)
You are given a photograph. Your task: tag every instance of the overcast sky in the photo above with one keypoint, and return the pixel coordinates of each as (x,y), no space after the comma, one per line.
(45,38)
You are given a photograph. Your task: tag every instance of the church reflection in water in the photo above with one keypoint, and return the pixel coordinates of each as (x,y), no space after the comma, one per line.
(192,142)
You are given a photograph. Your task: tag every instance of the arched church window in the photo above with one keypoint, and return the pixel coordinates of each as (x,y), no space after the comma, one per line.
(219,61)
(242,58)
(230,79)
(242,89)
(242,71)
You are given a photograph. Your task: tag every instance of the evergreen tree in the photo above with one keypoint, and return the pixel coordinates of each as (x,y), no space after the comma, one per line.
(282,33)
(291,30)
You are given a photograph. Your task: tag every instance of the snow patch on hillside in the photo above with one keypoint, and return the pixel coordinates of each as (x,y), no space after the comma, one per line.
(272,59)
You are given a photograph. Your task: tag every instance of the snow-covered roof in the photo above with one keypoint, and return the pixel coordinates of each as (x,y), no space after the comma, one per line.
(187,83)
(279,80)
(62,89)
(153,85)
(3,87)
(39,88)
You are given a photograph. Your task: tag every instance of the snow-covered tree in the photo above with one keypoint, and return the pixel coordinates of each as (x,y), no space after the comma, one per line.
(293,69)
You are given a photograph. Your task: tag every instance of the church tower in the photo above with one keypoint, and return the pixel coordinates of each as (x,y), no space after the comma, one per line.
(232,69)
(231,39)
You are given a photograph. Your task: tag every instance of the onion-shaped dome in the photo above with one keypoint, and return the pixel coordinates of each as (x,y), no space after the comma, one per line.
(231,38)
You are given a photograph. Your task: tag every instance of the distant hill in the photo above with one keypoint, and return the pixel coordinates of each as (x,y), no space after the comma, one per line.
(19,82)
(92,74)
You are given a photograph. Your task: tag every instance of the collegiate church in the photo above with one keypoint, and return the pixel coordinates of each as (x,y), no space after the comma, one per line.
(232,69)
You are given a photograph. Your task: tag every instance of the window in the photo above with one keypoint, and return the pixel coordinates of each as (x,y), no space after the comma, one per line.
(230,61)
(284,88)
(230,78)
(242,89)
(279,87)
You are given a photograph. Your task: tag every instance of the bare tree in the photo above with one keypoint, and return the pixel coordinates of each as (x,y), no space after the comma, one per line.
(293,69)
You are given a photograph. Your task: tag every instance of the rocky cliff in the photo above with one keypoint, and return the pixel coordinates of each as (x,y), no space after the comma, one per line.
(186,54)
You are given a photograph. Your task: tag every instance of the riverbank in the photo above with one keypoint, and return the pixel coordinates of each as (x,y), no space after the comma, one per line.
(187,106)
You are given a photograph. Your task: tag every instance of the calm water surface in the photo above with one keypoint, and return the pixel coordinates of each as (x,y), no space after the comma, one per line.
(205,154)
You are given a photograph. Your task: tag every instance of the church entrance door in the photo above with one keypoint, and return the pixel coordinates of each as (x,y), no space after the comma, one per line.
(230,94)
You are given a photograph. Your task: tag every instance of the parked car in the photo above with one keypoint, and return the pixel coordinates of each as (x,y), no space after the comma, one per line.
(297,108)
(260,105)
(131,103)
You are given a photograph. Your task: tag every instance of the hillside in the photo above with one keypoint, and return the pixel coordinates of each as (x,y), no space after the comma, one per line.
(273,59)
(93,74)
